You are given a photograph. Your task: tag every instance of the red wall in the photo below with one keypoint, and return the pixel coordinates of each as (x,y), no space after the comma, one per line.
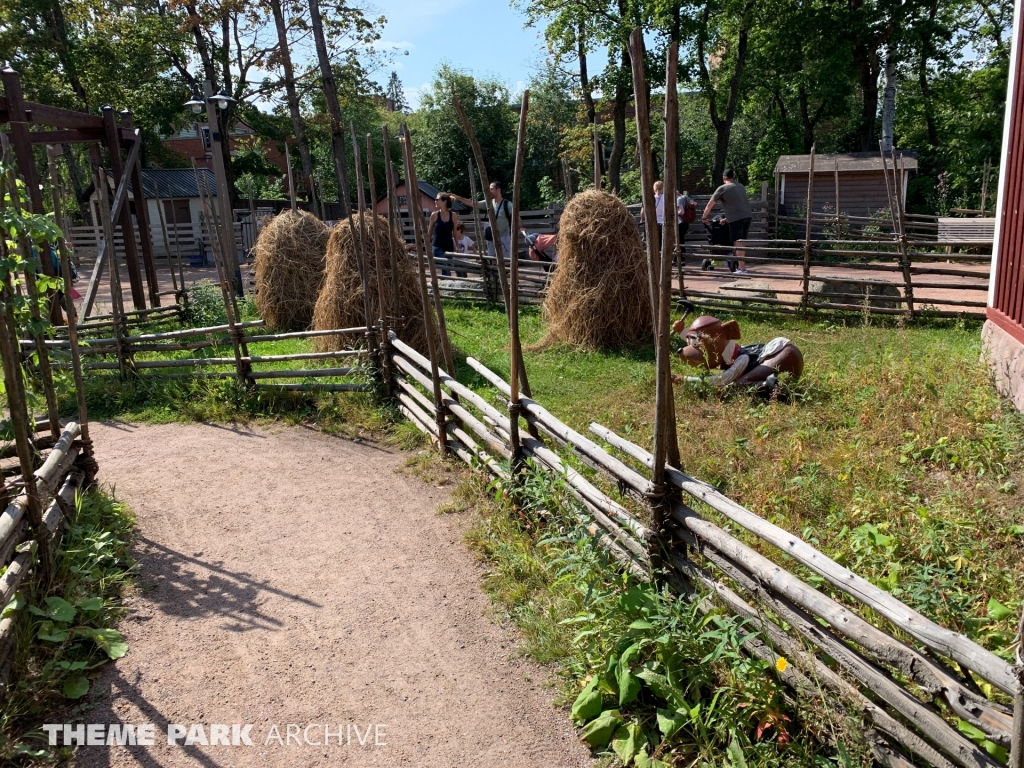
(1007,305)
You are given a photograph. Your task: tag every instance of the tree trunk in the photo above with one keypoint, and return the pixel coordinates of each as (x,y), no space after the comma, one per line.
(588,97)
(55,20)
(723,123)
(889,98)
(619,126)
(333,107)
(293,100)
(677,38)
(868,65)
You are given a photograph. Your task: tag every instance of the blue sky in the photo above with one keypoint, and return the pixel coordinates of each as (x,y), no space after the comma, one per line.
(483,37)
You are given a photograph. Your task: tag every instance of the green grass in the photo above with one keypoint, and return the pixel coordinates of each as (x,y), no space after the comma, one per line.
(66,630)
(893,454)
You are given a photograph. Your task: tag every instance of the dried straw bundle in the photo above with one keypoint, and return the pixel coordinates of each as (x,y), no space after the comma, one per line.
(289,269)
(600,296)
(340,304)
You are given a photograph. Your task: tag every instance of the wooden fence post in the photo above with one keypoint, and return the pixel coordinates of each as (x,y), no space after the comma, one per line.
(908,283)
(89,461)
(1017,733)
(665,395)
(439,408)
(499,249)
(394,221)
(805,298)
(364,280)
(116,304)
(488,275)
(238,345)
(516,349)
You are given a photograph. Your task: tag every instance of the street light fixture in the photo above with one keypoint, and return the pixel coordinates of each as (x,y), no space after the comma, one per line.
(223,99)
(196,103)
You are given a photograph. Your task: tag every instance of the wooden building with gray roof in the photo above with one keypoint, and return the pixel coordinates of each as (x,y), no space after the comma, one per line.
(855,179)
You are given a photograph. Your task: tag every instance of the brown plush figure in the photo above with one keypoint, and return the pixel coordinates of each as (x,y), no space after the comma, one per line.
(712,344)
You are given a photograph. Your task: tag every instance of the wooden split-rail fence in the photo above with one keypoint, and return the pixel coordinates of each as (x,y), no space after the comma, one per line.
(31,523)
(848,643)
(109,345)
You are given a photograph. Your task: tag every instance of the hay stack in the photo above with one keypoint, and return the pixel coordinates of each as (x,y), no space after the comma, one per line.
(340,304)
(290,255)
(600,296)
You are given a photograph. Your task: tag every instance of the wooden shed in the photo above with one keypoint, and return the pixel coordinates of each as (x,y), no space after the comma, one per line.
(1003,333)
(856,179)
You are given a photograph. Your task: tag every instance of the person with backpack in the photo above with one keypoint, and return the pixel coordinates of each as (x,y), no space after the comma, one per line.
(502,214)
(738,214)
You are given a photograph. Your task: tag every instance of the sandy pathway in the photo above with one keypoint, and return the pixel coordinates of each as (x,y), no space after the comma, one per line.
(292,578)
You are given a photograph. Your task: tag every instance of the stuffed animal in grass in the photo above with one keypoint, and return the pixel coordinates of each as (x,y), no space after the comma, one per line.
(712,345)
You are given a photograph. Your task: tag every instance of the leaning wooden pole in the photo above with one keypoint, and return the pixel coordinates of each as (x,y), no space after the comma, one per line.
(116,303)
(359,238)
(908,283)
(394,220)
(665,396)
(31,265)
(373,227)
(643,133)
(499,250)
(597,158)
(21,423)
(478,155)
(291,178)
(486,273)
(805,297)
(76,358)
(242,366)
(516,349)
(428,317)
(1017,730)
(164,236)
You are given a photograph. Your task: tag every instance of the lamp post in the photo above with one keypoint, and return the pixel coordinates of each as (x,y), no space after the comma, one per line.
(211,101)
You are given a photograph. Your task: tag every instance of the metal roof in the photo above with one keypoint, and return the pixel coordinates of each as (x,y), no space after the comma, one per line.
(176,182)
(848,161)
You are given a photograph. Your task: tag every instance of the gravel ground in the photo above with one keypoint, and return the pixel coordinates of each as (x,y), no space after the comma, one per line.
(293,578)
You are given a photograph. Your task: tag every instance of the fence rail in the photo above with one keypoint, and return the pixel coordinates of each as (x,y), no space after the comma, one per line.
(909,678)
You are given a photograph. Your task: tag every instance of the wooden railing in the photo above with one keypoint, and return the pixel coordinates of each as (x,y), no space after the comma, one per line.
(870,656)
(26,550)
(112,347)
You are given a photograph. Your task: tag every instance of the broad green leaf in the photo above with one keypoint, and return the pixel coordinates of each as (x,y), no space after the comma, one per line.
(670,722)
(643,761)
(51,635)
(628,741)
(110,640)
(735,753)
(588,704)
(599,732)
(629,685)
(997,611)
(57,609)
(76,687)
(660,685)
(91,605)
(641,624)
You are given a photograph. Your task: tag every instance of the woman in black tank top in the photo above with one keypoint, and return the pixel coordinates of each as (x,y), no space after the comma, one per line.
(441,230)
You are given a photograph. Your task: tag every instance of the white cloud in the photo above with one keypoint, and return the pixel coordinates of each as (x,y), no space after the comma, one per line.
(413,94)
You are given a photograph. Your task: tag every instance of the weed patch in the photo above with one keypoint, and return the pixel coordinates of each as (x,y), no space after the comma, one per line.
(67,631)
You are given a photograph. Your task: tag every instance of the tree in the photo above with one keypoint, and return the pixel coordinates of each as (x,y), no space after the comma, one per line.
(283,54)
(442,150)
(396,93)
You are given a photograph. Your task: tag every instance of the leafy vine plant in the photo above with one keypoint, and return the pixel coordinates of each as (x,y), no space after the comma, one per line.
(24,237)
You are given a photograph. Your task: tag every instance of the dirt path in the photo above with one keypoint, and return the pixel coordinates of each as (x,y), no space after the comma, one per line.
(295,578)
